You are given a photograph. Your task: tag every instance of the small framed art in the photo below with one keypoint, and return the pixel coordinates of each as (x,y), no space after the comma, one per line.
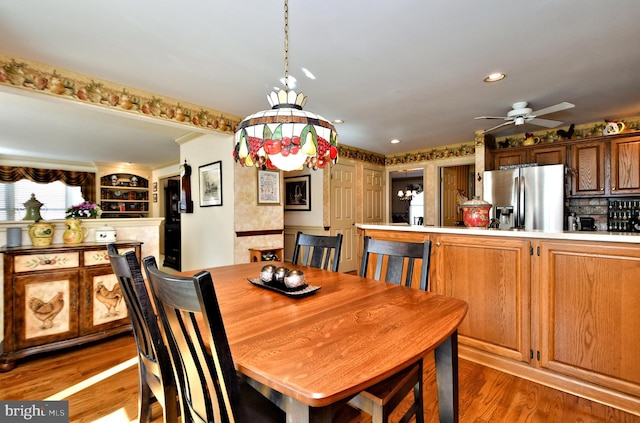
(268,187)
(210,176)
(297,191)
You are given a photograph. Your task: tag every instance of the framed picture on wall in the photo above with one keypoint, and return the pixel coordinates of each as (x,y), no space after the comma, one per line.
(297,191)
(268,188)
(210,176)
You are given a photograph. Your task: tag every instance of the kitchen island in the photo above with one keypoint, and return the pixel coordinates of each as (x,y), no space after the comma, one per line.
(559,308)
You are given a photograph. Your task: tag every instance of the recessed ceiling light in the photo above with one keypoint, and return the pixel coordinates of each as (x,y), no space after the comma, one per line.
(338,121)
(395,141)
(494,77)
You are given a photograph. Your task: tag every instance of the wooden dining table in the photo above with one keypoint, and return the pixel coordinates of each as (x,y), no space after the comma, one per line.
(310,353)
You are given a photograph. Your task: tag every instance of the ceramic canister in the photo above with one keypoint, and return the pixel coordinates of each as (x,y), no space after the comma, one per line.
(14,237)
(106,234)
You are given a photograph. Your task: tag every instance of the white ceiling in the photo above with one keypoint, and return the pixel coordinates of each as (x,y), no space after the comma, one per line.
(407,69)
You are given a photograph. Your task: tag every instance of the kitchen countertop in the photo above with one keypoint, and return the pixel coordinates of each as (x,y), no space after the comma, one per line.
(601,236)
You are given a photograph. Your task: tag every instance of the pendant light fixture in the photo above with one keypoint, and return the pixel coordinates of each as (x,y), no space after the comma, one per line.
(286,137)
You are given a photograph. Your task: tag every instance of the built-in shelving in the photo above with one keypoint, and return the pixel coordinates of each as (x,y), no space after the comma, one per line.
(124,195)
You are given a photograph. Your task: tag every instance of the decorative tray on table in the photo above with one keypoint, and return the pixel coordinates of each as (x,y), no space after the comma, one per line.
(298,292)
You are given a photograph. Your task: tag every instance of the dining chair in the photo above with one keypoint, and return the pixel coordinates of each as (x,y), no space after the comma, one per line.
(208,385)
(399,258)
(156,380)
(317,250)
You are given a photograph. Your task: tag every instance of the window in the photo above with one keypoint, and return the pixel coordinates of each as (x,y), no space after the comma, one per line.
(56,198)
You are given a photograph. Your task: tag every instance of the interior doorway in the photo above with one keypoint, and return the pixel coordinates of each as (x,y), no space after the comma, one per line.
(457,186)
(407,196)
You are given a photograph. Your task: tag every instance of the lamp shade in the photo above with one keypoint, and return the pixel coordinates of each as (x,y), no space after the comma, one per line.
(286,137)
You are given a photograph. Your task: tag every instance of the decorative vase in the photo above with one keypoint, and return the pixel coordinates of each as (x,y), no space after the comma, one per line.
(41,234)
(32,209)
(75,233)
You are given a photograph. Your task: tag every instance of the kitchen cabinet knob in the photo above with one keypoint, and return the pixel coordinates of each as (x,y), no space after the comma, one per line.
(438,244)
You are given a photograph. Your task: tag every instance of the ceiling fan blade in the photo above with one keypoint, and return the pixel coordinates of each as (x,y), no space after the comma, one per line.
(492,117)
(498,126)
(553,109)
(547,123)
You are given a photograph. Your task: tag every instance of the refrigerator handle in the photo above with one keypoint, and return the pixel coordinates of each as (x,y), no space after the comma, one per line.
(521,205)
(516,208)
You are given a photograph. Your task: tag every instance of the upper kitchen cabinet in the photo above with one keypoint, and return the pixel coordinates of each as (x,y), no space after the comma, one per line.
(544,154)
(625,165)
(124,195)
(587,168)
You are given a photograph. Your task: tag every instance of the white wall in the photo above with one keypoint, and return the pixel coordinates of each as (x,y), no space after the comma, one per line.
(208,233)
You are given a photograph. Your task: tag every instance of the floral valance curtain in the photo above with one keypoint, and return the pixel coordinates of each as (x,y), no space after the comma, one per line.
(85,180)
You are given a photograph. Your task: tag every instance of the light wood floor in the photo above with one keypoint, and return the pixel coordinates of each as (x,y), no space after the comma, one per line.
(486,395)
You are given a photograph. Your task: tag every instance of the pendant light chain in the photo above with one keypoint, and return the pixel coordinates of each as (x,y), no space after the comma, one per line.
(286,44)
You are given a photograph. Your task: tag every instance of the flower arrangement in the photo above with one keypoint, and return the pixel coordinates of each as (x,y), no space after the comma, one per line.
(84,210)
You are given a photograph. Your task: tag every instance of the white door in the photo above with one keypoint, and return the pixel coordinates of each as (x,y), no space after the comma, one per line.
(373,196)
(343,212)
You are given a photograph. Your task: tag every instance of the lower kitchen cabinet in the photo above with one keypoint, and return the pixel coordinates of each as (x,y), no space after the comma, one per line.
(589,312)
(493,275)
(59,296)
(560,312)
(567,311)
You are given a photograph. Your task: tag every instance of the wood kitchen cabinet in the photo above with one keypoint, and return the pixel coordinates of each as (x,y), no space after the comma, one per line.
(587,168)
(588,312)
(625,165)
(493,275)
(542,154)
(60,296)
(561,312)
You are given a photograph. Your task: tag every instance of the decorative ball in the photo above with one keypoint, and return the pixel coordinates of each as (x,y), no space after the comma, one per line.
(279,274)
(295,279)
(266,273)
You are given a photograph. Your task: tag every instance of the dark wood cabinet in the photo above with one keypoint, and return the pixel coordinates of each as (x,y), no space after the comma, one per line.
(172,237)
(60,296)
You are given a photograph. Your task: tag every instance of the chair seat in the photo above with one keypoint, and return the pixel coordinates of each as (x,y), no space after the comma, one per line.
(383,392)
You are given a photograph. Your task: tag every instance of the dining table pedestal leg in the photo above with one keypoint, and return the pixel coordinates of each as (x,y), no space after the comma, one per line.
(446,357)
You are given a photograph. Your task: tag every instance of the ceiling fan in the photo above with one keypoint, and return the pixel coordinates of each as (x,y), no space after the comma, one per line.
(521,114)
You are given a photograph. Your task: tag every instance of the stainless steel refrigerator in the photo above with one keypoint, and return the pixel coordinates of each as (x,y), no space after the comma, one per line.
(529,198)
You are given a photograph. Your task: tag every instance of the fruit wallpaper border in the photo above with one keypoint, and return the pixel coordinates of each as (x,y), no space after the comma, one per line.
(47,80)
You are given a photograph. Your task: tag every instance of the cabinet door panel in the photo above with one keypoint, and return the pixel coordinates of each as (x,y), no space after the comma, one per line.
(625,165)
(46,307)
(588,168)
(590,313)
(549,155)
(493,277)
(509,158)
(102,304)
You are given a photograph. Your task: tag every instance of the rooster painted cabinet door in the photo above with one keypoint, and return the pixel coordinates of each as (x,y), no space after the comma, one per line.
(59,296)
(102,305)
(46,305)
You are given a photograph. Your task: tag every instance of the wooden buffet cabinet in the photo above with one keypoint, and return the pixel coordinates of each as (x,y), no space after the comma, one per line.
(60,296)
(561,309)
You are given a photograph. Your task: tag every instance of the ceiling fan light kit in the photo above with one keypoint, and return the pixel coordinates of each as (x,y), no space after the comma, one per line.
(520,114)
